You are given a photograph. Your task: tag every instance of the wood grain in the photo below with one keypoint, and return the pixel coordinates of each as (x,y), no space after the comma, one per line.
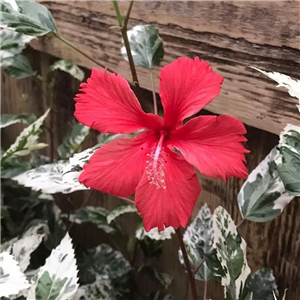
(274,244)
(232,35)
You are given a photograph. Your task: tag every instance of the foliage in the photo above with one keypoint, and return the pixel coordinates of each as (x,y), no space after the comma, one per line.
(9,119)
(198,240)
(293,86)
(12,280)
(289,165)
(12,61)
(146,46)
(27,17)
(73,140)
(27,141)
(231,252)
(263,197)
(57,279)
(68,67)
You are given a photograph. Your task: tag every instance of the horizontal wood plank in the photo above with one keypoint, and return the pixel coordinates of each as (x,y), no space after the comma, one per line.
(232,35)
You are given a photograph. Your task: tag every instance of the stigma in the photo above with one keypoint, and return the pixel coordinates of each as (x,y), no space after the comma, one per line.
(156,164)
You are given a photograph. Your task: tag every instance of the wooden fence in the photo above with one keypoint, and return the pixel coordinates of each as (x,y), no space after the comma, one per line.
(232,35)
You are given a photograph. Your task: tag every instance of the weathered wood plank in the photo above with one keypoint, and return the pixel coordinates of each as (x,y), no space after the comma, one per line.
(232,35)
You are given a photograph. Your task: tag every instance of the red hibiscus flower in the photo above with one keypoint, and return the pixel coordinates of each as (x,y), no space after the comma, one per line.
(158,163)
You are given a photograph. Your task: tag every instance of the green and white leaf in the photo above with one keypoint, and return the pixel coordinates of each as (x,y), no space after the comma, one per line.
(146,46)
(154,234)
(57,279)
(96,215)
(262,285)
(12,43)
(27,17)
(293,86)
(27,141)
(12,280)
(10,119)
(14,166)
(102,288)
(104,262)
(231,252)
(48,179)
(198,239)
(18,66)
(69,67)
(73,140)
(120,210)
(263,197)
(289,164)
(23,248)
(74,168)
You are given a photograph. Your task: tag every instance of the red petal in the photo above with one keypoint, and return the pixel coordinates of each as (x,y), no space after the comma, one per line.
(106,103)
(172,205)
(117,167)
(186,86)
(213,145)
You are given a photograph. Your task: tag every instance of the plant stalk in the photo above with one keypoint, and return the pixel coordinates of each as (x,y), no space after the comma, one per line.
(205,290)
(81,52)
(123,26)
(198,266)
(187,264)
(153,93)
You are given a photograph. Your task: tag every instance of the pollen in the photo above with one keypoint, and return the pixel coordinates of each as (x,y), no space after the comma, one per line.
(155,169)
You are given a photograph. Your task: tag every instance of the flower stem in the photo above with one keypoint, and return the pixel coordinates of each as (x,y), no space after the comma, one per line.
(198,266)
(153,93)
(80,51)
(126,200)
(205,290)
(240,223)
(187,264)
(123,26)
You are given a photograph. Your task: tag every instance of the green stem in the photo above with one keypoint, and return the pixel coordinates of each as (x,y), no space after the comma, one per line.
(187,264)
(117,10)
(51,86)
(126,41)
(81,52)
(153,93)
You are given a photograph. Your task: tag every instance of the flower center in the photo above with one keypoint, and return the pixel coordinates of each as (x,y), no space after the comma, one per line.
(156,163)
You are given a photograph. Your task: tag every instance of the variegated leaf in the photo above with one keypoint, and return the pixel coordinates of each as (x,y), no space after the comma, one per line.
(105,262)
(69,67)
(262,197)
(48,179)
(231,252)
(154,234)
(96,215)
(10,119)
(27,17)
(289,164)
(120,210)
(73,140)
(57,279)
(198,239)
(146,46)
(293,86)
(12,280)
(27,141)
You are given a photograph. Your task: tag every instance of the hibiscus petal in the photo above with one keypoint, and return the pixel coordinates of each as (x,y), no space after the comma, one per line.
(172,205)
(213,145)
(107,103)
(186,86)
(117,168)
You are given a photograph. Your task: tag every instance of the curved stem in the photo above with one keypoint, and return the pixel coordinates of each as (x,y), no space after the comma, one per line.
(153,93)
(187,264)
(81,52)
(126,200)
(240,223)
